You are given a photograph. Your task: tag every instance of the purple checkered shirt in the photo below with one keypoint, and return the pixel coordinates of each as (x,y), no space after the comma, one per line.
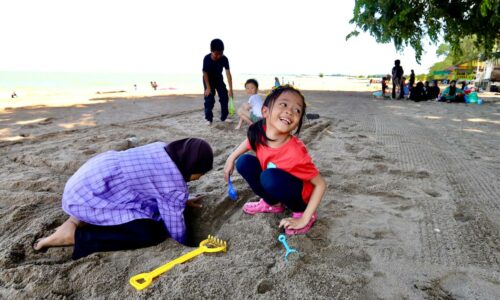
(117,187)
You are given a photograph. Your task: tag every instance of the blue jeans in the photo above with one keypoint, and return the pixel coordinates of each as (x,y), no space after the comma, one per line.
(273,185)
(210,102)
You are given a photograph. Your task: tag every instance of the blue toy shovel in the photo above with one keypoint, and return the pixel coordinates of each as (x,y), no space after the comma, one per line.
(231,191)
(282,239)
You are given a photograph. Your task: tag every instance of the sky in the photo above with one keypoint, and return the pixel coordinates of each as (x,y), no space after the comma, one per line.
(260,37)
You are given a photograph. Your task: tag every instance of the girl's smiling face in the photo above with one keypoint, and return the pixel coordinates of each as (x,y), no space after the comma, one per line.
(285,114)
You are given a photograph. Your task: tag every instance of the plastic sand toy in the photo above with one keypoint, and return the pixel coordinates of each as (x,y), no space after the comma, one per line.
(231,191)
(211,244)
(282,239)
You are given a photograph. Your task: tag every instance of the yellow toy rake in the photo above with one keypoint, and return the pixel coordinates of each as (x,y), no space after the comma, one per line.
(211,244)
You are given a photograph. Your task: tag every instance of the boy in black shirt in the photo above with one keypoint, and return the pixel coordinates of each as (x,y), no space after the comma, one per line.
(213,81)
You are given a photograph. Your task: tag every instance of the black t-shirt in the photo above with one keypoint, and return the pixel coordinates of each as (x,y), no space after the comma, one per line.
(397,72)
(214,68)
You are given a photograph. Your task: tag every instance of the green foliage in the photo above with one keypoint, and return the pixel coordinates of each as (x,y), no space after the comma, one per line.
(466,52)
(409,22)
(443,50)
(420,77)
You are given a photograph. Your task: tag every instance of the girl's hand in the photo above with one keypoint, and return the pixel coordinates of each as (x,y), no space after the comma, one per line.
(195,202)
(291,223)
(228,168)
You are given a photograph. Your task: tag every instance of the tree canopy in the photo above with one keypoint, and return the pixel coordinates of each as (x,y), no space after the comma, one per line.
(409,22)
(467,52)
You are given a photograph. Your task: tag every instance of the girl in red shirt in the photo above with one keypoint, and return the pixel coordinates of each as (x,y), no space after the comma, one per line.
(281,172)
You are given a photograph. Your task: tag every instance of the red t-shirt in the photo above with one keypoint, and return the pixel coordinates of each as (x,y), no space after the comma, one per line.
(292,158)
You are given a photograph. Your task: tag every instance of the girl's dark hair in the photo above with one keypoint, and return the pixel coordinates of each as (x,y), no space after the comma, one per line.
(252,81)
(453,88)
(256,132)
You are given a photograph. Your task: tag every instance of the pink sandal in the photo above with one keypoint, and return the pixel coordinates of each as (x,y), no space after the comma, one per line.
(262,207)
(305,229)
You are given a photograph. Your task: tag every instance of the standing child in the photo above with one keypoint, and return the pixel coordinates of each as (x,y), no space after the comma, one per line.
(282,172)
(213,81)
(251,111)
(384,86)
(130,199)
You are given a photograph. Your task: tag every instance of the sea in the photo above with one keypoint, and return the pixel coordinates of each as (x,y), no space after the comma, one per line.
(49,85)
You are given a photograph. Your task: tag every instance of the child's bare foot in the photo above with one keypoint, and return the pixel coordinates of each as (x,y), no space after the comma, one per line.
(238,127)
(63,236)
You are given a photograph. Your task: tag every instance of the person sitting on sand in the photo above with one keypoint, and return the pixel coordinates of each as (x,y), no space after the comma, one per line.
(418,93)
(251,112)
(433,90)
(282,172)
(130,199)
(452,93)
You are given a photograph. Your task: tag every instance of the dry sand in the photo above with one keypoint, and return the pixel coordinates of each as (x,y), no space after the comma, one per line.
(412,209)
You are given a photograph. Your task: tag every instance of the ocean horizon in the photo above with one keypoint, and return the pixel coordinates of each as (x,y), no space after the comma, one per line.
(56,84)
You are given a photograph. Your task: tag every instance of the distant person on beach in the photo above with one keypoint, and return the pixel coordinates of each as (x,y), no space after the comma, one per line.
(433,90)
(452,93)
(404,88)
(418,93)
(213,81)
(276,82)
(121,200)
(282,172)
(251,111)
(397,76)
(154,85)
(13,95)
(384,86)
(412,80)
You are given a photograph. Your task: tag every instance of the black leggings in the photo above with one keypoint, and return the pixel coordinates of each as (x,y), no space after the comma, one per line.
(273,185)
(132,235)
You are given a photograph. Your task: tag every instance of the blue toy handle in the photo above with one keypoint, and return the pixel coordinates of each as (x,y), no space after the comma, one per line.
(282,239)
(231,191)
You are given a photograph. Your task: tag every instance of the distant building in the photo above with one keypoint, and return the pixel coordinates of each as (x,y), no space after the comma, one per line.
(488,75)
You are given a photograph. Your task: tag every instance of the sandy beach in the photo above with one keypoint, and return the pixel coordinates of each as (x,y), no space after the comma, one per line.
(412,209)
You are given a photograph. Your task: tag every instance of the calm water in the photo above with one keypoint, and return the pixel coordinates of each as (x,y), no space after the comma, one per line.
(44,84)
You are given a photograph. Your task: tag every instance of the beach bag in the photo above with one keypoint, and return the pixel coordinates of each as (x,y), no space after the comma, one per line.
(472,98)
(231,106)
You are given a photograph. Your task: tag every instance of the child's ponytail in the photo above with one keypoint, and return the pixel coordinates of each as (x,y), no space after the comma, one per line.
(256,134)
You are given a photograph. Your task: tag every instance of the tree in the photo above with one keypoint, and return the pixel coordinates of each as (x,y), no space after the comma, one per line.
(409,22)
(467,52)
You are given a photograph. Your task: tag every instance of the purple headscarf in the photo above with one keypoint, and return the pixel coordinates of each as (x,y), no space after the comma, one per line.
(191,156)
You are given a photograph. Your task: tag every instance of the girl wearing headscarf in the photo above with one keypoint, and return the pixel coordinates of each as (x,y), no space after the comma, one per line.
(130,199)
(452,93)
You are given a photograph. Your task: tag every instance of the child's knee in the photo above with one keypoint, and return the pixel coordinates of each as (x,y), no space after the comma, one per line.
(268,179)
(245,160)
